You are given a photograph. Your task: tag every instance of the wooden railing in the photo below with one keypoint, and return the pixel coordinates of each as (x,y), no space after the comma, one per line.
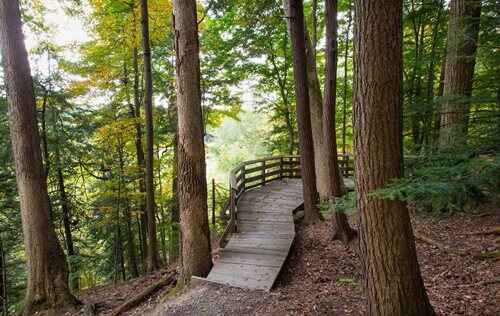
(256,173)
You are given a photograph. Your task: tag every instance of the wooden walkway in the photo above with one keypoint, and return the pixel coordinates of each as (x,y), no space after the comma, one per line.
(254,255)
(260,230)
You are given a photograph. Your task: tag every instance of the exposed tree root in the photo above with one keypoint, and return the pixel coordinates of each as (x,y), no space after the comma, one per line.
(170,279)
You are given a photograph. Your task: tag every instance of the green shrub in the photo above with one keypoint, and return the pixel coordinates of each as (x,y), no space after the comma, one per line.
(446,182)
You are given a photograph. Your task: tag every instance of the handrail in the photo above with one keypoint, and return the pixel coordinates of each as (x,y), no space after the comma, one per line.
(255,173)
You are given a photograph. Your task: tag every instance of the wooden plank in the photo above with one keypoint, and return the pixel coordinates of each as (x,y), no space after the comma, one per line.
(268,235)
(265,217)
(258,251)
(253,226)
(227,256)
(269,244)
(245,283)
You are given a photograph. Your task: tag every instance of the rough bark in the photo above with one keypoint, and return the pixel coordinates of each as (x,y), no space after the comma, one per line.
(392,281)
(335,188)
(152,253)
(297,36)
(192,186)
(463,32)
(47,286)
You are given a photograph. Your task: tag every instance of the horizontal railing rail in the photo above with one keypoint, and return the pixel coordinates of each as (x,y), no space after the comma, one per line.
(255,173)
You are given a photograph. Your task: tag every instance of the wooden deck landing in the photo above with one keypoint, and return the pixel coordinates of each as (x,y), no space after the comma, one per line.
(254,255)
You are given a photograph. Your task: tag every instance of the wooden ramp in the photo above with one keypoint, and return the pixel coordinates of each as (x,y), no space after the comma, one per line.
(260,230)
(254,255)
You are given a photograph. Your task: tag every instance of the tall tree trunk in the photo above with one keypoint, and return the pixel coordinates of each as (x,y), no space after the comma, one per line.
(135,112)
(342,230)
(196,248)
(47,285)
(152,262)
(437,117)
(297,36)
(344,106)
(131,254)
(66,215)
(393,283)
(314,15)
(119,259)
(431,107)
(316,111)
(463,31)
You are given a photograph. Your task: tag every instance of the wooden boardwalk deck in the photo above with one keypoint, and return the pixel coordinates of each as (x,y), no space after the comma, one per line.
(254,255)
(260,230)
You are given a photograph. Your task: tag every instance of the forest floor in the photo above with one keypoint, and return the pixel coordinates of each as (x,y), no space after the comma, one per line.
(323,277)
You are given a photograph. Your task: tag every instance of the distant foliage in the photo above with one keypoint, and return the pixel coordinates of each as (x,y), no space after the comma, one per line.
(446,182)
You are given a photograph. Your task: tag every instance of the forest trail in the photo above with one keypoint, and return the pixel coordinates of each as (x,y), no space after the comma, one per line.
(254,255)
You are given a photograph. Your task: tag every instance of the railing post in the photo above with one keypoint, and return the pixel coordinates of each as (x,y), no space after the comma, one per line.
(243,178)
(281,168)
(263,173)
(233,209)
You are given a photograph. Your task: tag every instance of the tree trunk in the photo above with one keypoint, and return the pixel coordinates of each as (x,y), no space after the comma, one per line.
(136,112)
(393,283)
(66,215)
(463,31)
(152,253)
(297,36)
(47,285)
(131,254)
(316,110)
(431,107)
(344,107)
(342,230)
(192,186)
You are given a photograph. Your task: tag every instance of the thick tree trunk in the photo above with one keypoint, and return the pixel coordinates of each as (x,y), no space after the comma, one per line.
(316,109)
(192,186)
(393,283)
(47,285)
(463,31)
(335,189)
(152,253)
(297,36)
(316,112)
